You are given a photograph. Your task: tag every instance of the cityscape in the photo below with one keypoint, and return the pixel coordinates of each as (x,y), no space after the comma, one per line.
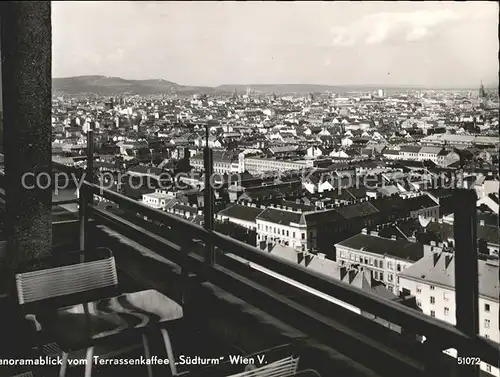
(321,179)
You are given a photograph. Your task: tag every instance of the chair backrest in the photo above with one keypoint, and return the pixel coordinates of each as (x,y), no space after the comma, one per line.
(67,280)
(307,373)
(281,368)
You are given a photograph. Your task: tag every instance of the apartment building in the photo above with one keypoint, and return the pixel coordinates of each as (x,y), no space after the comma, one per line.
(158,199)
(255,165)
(432,281)
(386,258)
(460,140)
(244,215)
(287,227)
(223,163)
(436,154)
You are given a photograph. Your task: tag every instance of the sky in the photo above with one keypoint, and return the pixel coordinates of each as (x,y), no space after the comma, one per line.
(433,44)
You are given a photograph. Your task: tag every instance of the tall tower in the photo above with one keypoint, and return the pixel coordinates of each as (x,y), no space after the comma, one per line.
(482,92)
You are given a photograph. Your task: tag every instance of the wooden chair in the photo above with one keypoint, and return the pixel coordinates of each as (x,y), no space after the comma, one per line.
(79,303)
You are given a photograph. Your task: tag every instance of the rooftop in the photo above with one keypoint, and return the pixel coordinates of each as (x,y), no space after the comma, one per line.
(384,246)
(440,270)
(241,212)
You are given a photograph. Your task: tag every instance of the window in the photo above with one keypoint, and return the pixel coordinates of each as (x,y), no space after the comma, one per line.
(433,313)
(389,277)
(303,236)
(487,308)
(293,234)
(351,256)
(342,253)
(376,263)
(371,261)
(288,233)
(381,276)
(419,290)
(381,264)
(356,258)
(446,311)
(488,368)
(397,280)
(432,287)
(389,265)
(487,323)
(398,267)
(432,300)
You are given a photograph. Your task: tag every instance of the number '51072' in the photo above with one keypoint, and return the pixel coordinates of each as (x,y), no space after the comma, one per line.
(468,360)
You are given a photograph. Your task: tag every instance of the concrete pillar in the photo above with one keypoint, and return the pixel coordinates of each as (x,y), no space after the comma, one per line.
(26,47)
(466,272)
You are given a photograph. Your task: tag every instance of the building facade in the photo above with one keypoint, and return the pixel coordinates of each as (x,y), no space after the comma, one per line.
(432,281)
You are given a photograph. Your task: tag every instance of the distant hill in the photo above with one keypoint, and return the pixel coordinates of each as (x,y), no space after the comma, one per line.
(104,85)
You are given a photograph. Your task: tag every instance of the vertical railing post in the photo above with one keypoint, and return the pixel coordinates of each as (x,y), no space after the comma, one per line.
(84,197)
(208,201)
(82,193)
(466,272)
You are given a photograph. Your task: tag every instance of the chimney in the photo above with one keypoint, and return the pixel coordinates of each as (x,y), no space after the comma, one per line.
(374,233)
(343,272)
(435,258)
(308,259)
(447,260)
(433,243)
(481,222)
(393,237)
(364,231)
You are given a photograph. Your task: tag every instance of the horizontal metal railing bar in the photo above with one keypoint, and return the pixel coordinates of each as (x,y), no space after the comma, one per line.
(396,313)
(54,203)
(195,231)
(63,202)
(441,332)
(149,239)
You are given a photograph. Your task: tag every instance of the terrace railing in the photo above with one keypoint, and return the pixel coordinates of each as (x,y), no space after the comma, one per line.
(439,335)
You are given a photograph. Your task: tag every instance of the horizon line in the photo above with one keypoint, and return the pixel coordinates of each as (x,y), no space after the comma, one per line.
(379,86)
